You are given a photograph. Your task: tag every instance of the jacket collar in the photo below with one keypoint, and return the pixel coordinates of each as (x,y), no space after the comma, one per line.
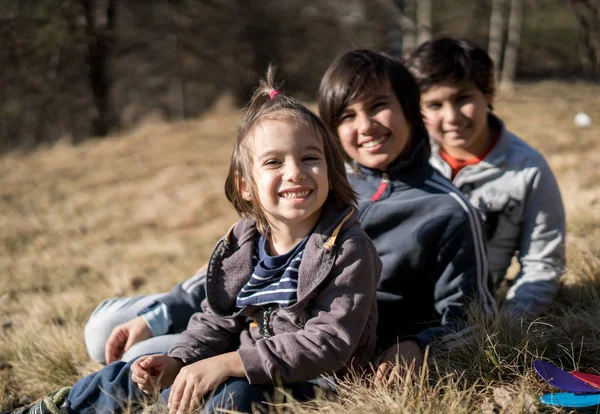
(495,158)
(233,256)
(411,169)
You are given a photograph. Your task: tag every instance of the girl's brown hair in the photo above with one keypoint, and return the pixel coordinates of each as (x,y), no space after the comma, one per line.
(269,103)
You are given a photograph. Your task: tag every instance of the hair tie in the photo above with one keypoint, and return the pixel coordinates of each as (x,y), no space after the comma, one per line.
(273,93)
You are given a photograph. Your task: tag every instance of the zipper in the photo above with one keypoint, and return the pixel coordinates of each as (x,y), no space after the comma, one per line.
(385,179)
(264,328)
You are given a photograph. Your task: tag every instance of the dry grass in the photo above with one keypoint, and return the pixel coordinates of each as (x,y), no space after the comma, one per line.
(138,212)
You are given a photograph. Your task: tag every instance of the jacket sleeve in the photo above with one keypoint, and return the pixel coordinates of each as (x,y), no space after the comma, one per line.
(341,311)
(464,280)
(542,245)
(207,335)
(184,300)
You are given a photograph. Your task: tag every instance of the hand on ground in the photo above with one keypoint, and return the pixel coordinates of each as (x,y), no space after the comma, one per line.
(394,362)
(124,336)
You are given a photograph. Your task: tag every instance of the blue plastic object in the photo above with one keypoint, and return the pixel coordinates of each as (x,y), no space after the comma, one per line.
(572,400)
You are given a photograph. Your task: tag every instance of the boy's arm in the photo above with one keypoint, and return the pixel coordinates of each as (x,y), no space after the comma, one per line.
(177,306)
(463,279)
(542,245)
(341,311)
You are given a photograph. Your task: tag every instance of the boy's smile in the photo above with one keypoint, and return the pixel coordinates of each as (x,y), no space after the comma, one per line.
(290,175)
(373,129)
(456,117)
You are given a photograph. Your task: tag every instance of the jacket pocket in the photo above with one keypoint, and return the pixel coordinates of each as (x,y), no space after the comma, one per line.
(290,320)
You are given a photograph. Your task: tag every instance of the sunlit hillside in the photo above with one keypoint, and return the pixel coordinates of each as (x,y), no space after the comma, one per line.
(140,211)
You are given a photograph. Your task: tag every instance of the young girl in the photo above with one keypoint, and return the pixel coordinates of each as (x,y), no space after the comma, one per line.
(290,288)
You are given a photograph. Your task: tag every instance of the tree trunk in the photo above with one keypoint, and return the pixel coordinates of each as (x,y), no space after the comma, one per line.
(178,80)
(587,14)
(99,45)
(395,34)
(409,26)
(423,21)
(509,68)
(496,35)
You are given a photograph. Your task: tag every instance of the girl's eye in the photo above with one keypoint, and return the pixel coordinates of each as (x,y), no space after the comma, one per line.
(272,163)
(346,117)
(434,106)
(379,105)
(463,98)
(310,158)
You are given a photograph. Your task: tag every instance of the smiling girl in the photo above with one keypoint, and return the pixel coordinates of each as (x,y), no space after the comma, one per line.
(290,289)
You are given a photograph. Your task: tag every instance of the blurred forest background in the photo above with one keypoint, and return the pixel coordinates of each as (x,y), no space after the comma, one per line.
(139,211)
(73,69)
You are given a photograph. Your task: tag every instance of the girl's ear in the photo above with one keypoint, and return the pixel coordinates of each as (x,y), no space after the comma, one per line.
(246,193)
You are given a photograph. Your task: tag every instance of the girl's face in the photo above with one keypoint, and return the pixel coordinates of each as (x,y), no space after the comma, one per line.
(373,130)
(290,173)
(456,117)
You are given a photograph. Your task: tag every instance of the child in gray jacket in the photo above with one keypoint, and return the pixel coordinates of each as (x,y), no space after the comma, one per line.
(505,178)
(290,289)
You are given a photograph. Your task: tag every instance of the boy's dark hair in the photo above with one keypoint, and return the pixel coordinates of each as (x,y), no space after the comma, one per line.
(355,74)
(269,103)
(446,59)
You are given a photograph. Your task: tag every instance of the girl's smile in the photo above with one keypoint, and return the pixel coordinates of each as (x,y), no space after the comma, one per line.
(299,194)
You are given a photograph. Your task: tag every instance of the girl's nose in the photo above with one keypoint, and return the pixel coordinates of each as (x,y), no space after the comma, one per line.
(294,172)
(365,124)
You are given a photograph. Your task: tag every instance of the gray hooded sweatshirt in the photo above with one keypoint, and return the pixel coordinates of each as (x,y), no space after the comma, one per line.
(517,194)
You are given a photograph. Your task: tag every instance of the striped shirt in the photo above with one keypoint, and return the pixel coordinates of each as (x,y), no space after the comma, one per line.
(275,278)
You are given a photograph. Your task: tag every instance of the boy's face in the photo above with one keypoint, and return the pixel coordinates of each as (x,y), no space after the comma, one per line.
(373,129)
(456,117)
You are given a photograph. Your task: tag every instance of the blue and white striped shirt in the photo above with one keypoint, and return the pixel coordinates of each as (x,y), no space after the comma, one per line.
(275,278)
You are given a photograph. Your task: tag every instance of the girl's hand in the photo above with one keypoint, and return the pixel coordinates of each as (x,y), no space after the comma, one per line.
(154,372)
(394,361)
(199,378)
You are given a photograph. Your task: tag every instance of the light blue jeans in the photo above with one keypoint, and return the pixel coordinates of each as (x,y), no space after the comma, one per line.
(113,312)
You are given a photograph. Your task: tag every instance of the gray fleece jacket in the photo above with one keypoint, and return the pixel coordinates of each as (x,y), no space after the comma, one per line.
(517,194)
(331,327)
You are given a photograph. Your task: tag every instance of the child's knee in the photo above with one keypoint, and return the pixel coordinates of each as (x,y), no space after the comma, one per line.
(97,330)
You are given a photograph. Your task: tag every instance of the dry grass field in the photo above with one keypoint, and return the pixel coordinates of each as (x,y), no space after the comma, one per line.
(140,211)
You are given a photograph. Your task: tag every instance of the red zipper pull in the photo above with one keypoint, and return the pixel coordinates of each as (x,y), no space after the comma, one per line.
(382,186)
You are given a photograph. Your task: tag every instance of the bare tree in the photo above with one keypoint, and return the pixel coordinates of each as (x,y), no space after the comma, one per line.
(587,13)
(424,20)
(515,21)
(496,34)
(100,20)
(409,26)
